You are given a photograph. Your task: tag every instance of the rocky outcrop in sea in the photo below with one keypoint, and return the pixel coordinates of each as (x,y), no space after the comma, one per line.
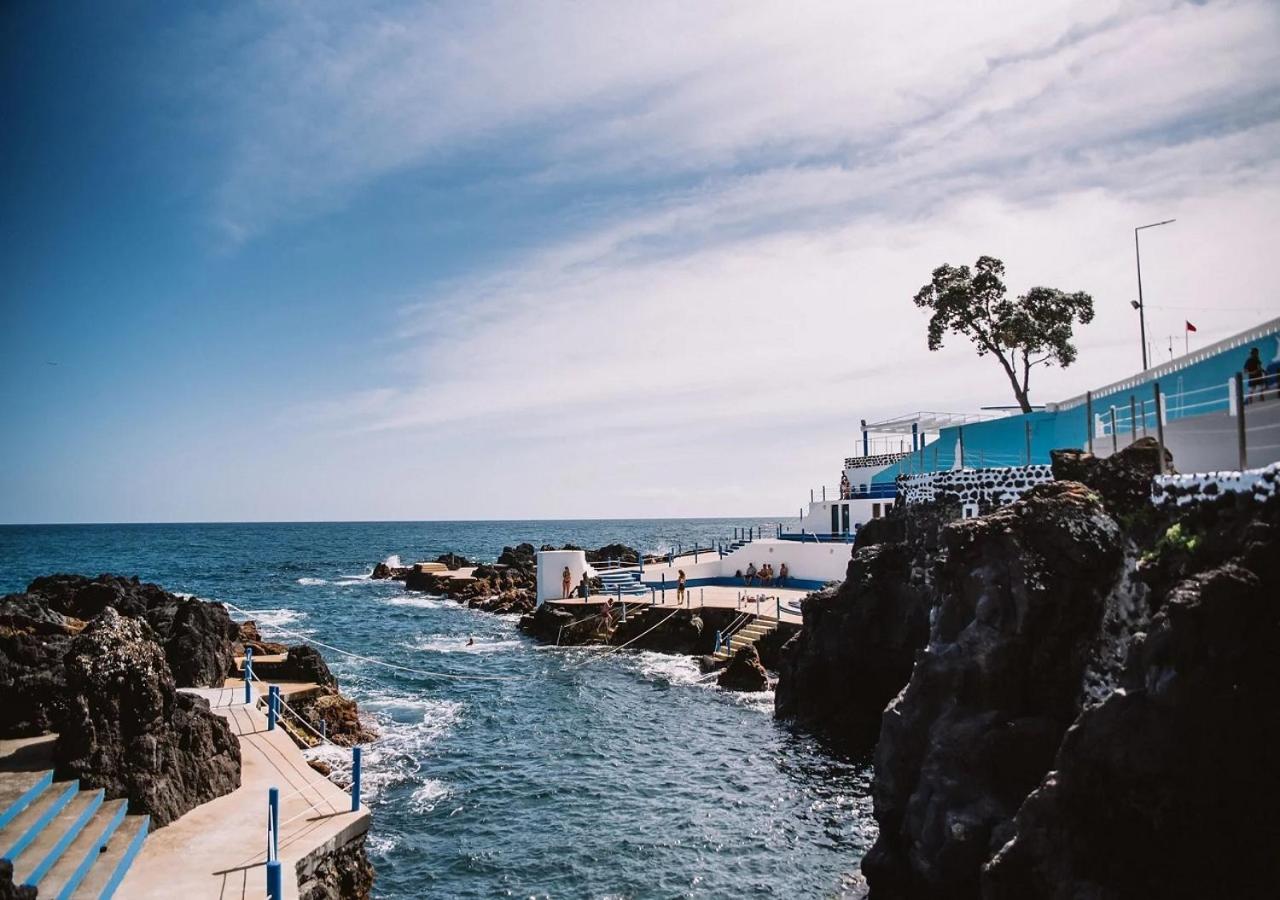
(1089,708)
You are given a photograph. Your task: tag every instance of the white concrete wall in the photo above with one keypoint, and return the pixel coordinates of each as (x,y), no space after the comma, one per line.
(807,562)
(818,519)
(551,565)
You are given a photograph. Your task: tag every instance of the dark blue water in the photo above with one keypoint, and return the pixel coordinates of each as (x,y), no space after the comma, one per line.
(623,776)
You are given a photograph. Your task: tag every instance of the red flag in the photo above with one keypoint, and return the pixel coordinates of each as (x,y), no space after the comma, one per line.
(1190,327)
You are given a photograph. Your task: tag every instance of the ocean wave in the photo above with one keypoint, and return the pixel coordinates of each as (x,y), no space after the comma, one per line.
(420,601)
(393,561)
(449,643)
(312,581)
(425,798)
(380,843)
(668,668)
(273,622)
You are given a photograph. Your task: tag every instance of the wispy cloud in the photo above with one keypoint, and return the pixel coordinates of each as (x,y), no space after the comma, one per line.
(780,181)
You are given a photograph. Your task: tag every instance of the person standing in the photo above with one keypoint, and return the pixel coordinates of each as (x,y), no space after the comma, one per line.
(680,584)
(1256,376)
(566,583)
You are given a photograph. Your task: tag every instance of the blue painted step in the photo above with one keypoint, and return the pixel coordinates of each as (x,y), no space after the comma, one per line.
(65,842)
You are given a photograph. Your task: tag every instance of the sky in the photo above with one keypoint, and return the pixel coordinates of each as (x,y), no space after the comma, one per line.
(303,261)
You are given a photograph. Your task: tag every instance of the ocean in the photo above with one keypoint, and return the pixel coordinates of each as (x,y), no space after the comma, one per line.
(564,774)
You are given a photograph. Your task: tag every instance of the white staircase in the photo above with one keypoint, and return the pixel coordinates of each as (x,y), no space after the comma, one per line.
(746,636)
(66,842)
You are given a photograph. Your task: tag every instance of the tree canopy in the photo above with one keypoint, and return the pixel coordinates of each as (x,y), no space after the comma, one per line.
(1031,330)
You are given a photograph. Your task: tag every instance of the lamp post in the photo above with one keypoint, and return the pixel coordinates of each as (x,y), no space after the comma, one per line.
(1138,304)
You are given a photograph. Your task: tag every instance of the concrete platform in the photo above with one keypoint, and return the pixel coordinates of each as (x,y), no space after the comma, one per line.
(218,850)
(714,596)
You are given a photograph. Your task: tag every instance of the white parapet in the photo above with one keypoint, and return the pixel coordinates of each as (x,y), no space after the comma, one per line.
(551,566)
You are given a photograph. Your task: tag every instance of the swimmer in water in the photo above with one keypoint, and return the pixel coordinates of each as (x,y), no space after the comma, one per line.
(471,642)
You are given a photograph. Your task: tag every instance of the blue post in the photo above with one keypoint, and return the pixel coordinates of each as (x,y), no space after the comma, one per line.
(273,701)
(695,553)
(248,674)
(273,811)
(275,884)
(664,587)
(355,779)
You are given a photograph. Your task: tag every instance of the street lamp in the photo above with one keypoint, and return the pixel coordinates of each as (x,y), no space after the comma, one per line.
(1138,304)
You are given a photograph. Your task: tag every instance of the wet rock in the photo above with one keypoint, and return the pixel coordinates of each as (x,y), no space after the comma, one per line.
(1023,593)
(381,572)
(744,672)
(454,561)
(129,731)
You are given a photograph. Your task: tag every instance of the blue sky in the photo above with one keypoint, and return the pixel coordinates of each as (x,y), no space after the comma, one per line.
(471,260)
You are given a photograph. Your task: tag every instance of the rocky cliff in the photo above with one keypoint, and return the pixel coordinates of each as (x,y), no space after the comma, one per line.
(1093,703)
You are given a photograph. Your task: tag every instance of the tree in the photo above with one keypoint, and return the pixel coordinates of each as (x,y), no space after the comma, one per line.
(1035,329)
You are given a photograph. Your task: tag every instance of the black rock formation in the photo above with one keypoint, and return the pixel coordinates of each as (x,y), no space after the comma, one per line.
(744,672)
(1022,595)
(197,635)
(860,639)
(129,731)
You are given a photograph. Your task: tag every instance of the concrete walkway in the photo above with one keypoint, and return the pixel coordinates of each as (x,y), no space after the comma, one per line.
(714,596)
(218,850)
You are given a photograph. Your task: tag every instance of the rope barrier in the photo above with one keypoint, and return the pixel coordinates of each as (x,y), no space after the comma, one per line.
(627,644)
(377,662)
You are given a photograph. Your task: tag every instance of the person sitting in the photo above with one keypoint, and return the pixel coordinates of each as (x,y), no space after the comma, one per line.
(751,573)
(738,574)
(844,486)
(584,587)
(766,574)
(783,574)
(1256,376)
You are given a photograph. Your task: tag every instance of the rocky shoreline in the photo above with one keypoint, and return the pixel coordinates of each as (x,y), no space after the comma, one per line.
(1073,696)
(99,662)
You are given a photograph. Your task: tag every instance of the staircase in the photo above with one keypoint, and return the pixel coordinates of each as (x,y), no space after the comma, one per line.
(64,841)
(625,582)
(746,636)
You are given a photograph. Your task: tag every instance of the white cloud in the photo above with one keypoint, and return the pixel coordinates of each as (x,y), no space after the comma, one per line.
(709,348)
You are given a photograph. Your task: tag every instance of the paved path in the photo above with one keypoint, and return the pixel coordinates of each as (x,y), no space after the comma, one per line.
(218,849)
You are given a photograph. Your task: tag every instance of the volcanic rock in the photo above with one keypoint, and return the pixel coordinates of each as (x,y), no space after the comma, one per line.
(129,731)
(197,635)
(1169,787)
(859,642)
(33,641)
(1123,478)
(744,672)
(1022,594)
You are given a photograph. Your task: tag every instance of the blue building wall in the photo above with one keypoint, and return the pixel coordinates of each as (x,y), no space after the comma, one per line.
(1194,384)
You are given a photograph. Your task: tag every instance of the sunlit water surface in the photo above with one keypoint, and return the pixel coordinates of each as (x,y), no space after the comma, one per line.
(574,776)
